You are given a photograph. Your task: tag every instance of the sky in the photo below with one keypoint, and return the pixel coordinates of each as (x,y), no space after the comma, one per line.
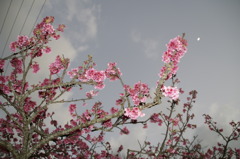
(134,34)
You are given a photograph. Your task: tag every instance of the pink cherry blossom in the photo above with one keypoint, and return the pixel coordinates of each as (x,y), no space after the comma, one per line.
(100,85)
(17,64)
(87,114)
(35,67)
(19,87)
(29,104)
(5,88)
(22,41)
(72,109)
(58,65)
(155,119)
(13,46)
(139,93)
(176,48)
(119,101)
(171,92)
(91,93)
(61,27)
(114,110)
(175,121)
(90,73)
(48,19)
(73,122)
(2,63)
(124,131)
(3,79)
(47,50)
(73,73)
(166,57)
(47,29)
(107,123)
(97,76)
(112,72)
(133,113)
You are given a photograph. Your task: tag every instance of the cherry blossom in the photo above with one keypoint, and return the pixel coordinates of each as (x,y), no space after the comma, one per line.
(125,131)
(112,72)
(176,49)
(97,76)
(171,92)
(58,65)
(72,109)
(13,46)
(47,49)
(139,93)
(35,67)
(91,93)
(22,41)
(133,113)
(17,64)
(2,64)
(29,104)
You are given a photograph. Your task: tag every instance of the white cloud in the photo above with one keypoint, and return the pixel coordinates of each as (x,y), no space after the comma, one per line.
(85,15)
(151,46)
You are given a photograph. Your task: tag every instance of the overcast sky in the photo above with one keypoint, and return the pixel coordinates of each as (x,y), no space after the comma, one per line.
(134,33)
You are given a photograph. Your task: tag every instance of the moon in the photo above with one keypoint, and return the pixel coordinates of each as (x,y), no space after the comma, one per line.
(198,39)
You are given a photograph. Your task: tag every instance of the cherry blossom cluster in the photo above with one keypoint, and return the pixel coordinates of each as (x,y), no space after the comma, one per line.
(124,131)
(171,92)
(89,114)
(22,42)
(87,73)
(121,99)
(133,113)
(2,62)
(112,73)
(139,93)
(91,93)
(17,65)
(3,87)
(58,65)
(174,121)
(29,105)
(45,29)
(16,85)
(176,48)
(35,67)
(72,109)
(97,76)
(82,143)
(50,92)
(155,119)
(42,32)
(174,143)
(92,74)
(19,87)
